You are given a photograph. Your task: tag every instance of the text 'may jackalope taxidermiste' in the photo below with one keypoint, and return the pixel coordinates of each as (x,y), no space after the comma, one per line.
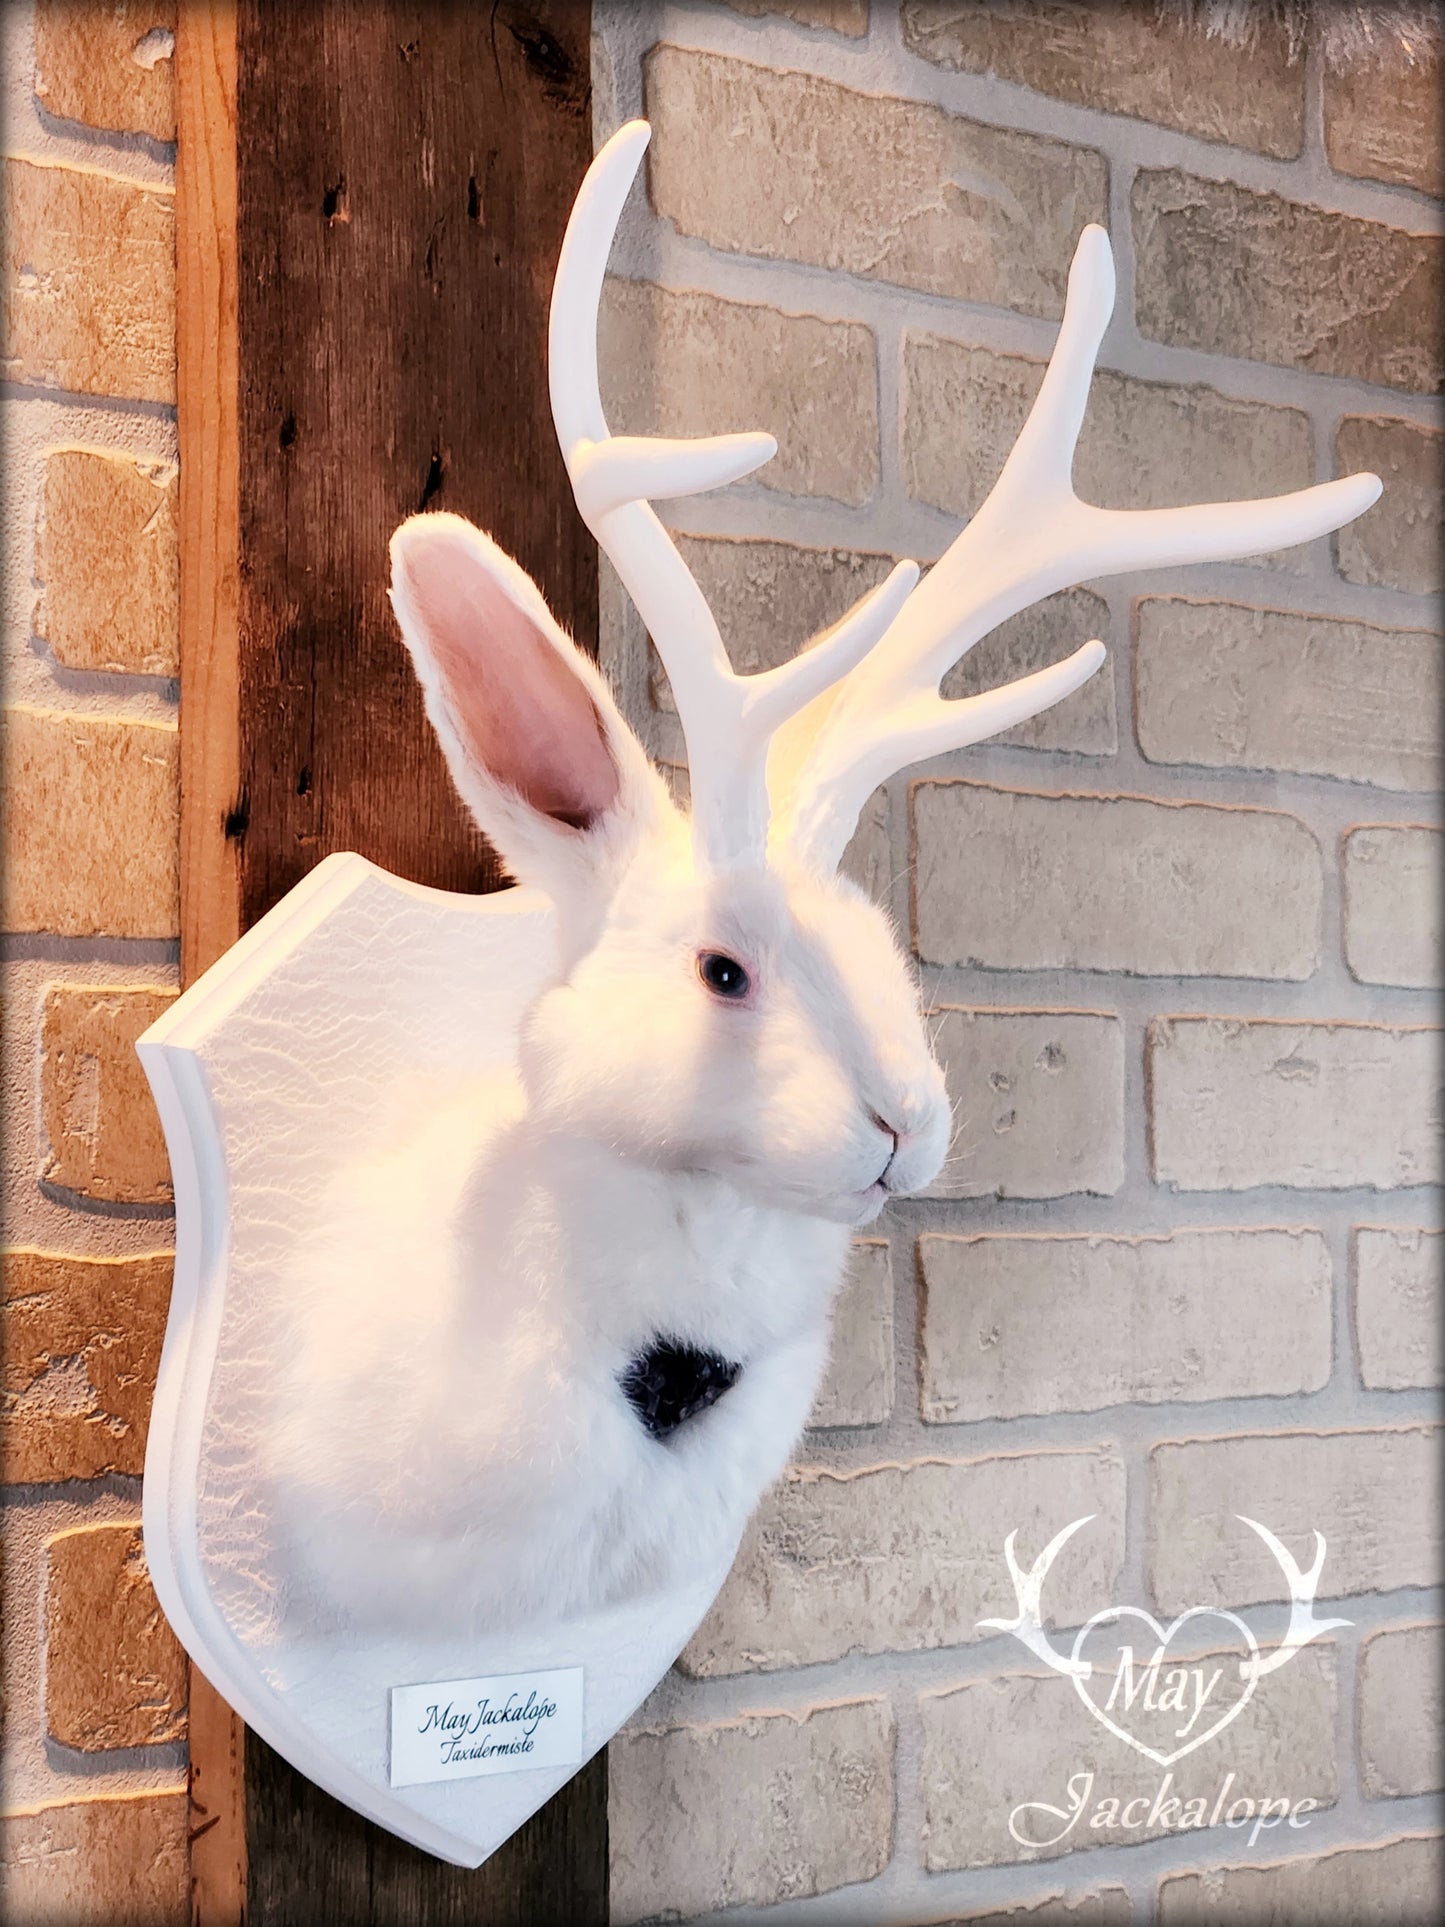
(509,1229)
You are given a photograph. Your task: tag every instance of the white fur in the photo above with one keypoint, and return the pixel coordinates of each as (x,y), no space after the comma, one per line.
(662,1164)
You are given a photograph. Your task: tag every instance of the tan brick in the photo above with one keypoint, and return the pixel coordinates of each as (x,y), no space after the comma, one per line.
(687,363)
(1398,1330)
(1234,272)
(108,557)
(836,16)
(116,1860)
(89,282)
(92,824)
(105,1136)
(1124,59)
(858,1386)
(114,1674)
(795,168)
(1235,1103)
(1385,1886)
(1038,1099)
(770,597)
(1015,1325)
(1234,687)
(110,66)
(762,1808)
(1392,904)
(83,1343)
(1402,1712)
(1385,119)
(1375,1496)
(1113,883)
(1144,444)
(1016,1744)
(1397,544)
(1108,1907)
(905,1557)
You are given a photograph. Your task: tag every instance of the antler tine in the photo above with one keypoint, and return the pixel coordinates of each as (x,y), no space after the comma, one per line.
(728,720)
(1032,537)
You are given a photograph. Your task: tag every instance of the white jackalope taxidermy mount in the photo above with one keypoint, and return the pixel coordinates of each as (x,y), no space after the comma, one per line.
(623,1256)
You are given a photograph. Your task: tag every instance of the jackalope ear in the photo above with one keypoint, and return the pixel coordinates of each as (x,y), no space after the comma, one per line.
(535,743)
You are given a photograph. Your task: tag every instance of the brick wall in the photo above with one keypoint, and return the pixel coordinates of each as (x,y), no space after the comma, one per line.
(93,1767)
(1182,1264)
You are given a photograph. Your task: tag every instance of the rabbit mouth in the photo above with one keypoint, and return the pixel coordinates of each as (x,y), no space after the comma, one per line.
(862,1207)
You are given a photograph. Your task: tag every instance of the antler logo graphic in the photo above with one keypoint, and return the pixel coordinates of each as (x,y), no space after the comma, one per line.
(1156,1686)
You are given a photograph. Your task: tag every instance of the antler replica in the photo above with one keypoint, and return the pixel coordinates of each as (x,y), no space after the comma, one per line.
(729,721)
(1029,1589)
(1303,1626)
(790,756)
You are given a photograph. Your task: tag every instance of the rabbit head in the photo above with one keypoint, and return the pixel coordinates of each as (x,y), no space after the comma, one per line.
(755,1023)
(726,1005)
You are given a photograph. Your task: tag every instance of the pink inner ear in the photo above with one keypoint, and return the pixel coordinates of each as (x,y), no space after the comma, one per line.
(519,708)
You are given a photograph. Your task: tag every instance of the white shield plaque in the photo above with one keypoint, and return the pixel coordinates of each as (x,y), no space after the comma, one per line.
(345,1011)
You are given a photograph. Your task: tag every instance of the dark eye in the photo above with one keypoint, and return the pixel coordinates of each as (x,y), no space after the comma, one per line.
(723,975)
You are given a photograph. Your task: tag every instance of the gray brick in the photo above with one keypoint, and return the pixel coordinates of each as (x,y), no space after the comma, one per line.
(834,16)
(1402,1712)
(1233,687)
(1230,271)
(1107,1907)
(1375,1495)
(754,1810)
(1385,1886)
(992,1747)
(1038,1099)
(1124,59)
(1397,1294)
(868,859)
(796,168)
(771,597)
(904,1558)
(1019,1325)
(1049,631)
(1144,445)
(1397,544)
(1235,1103)
(858,1387)
(687,363)
(1113,883)
(1392,904)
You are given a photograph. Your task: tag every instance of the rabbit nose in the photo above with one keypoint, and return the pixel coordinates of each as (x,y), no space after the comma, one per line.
(886,1128)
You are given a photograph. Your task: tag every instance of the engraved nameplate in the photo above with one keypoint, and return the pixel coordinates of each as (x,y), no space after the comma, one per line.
(456,1729)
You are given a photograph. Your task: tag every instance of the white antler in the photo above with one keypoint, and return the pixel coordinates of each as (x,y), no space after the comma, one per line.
(1032,537)
(1029,1589)
(728,720)
(1303,1626)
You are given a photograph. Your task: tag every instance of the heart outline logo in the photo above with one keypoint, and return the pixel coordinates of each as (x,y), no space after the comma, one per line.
(1083,1670)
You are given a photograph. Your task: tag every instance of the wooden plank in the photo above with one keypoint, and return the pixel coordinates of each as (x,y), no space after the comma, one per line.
(218,1808)
(404,175)
(207,392)
(209,716)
